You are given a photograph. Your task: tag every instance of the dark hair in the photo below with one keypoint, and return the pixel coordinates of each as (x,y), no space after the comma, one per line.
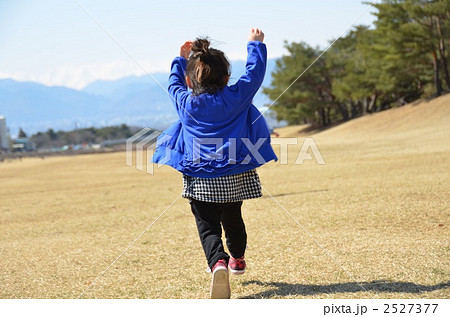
(207,68)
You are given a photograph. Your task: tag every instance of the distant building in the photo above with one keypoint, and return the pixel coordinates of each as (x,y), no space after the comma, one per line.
(4,141)
(23,145)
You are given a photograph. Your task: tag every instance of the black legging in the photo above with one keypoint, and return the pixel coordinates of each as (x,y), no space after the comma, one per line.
(209,217)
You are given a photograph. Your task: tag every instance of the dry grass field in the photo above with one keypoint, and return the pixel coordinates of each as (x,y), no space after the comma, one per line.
(374,222)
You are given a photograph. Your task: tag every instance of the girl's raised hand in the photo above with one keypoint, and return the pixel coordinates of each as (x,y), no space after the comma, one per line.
(256,35)
(185,49)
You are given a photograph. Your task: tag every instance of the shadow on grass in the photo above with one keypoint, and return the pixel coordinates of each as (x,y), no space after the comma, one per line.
(296,193)
(285,289)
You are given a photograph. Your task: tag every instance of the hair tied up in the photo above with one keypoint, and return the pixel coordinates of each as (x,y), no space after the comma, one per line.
(200,47)
(207,68)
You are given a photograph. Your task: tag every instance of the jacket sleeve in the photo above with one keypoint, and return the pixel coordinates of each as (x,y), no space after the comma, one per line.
(241,94)
(177,86)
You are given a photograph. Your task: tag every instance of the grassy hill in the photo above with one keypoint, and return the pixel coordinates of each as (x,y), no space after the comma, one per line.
(373,222)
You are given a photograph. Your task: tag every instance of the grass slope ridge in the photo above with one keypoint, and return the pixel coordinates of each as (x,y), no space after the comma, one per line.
(414,118)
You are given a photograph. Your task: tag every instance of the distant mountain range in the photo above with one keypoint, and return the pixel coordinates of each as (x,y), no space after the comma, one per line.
(136,101)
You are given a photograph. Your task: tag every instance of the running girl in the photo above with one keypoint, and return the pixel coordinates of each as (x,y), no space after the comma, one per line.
(218,142)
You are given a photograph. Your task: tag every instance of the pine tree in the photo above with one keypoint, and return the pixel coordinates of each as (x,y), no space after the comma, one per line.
(308,98)
(416,32)
(22,133)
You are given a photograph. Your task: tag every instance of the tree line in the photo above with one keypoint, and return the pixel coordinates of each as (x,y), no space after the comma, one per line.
(54,139)
(403,57)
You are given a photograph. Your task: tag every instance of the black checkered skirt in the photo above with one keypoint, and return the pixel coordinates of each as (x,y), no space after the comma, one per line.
(223,189)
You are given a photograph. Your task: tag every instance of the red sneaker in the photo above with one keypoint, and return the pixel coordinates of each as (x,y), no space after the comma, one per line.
(220,283)
(237,266)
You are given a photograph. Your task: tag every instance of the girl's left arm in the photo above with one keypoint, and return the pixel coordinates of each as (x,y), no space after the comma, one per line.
(177,84)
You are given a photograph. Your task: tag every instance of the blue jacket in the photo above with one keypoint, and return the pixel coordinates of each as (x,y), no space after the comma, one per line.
(215,134)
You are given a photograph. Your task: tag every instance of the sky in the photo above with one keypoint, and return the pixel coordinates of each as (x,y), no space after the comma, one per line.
(56,42)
